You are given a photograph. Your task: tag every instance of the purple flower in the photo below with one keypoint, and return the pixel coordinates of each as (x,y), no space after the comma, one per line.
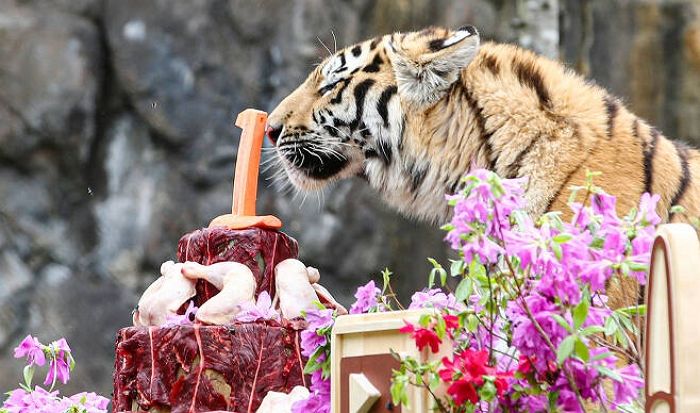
(311,338)
(366,298)
(311,341)
(320,398)
(647,210)
(435,298)
(32,349)
(59,363)
(262,309)
(58,370)
(628,388)
(526,339)
(186,319)
(318,319)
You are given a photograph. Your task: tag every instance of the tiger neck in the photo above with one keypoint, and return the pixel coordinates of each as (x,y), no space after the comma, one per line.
(427,155)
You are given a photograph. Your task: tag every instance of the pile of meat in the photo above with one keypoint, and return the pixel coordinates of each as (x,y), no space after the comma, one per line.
(210,361)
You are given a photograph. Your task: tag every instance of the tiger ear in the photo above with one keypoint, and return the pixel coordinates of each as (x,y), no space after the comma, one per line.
(426,63)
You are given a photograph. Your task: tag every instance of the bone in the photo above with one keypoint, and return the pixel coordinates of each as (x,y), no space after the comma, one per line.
(326,298)
(314,275)
(293,288)
(164,296)
(237,285)
(276,402)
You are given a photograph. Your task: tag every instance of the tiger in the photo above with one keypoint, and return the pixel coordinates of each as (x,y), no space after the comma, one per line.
(412,113)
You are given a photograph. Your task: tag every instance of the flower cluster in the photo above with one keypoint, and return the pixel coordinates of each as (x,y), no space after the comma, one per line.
(534,330)
(315,345)
(316,342)
(26,399)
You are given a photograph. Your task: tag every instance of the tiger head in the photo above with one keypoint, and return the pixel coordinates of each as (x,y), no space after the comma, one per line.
(348,117)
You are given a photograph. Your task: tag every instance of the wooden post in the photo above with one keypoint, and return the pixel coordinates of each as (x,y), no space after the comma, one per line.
(672,355)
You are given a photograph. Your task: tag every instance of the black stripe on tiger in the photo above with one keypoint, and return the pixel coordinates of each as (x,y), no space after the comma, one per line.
(417,176)
(374,66)
(339,96)
(383,103)
(484,134)
(491,63)
(566,180)
(612,107)
(530,76)
(384,151)
(649,152)
(360,93)
(682,151)
(514,167)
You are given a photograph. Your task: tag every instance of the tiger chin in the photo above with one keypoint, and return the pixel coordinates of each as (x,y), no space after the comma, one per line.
(414,112)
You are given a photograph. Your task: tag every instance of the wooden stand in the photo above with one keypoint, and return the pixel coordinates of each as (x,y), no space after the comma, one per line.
(672,354)
(361,362)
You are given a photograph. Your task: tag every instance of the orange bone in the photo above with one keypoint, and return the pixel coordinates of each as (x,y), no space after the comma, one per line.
(245,179)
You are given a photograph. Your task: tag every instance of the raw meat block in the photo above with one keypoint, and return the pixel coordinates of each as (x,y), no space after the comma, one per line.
(260,249)
(197,368)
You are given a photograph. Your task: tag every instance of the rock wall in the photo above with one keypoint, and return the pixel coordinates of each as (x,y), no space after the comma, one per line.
(117,136)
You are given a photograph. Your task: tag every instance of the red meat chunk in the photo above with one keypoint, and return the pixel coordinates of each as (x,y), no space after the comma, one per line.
(260,249)
(202,368)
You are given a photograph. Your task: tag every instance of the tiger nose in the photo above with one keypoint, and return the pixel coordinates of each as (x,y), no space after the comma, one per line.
(273,133)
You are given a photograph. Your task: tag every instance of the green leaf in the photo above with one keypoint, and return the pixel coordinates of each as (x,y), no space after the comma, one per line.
(638,266)
(472,323)
(601,356)
(456,268)
(476,269)
(487,391)
(562,322)
(566,347)
(609,373)
(592,330)
(313,364)
(556,248)
(464,289)
(580,312)
(28,373)
(440,327)
(562,238)
(581,350)
(677,209)
(610,326)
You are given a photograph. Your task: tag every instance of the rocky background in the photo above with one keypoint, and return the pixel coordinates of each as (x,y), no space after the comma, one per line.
(117,136)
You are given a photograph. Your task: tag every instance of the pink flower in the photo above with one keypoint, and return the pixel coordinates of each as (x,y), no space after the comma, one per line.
(186,319)
(32,349)
(628,388)
(320,398)
(434,298)
(262,309)
(366,298)
(58,370)
(647,210)
(59,364)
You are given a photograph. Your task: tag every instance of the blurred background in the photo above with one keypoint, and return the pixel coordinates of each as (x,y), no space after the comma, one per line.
(117,137)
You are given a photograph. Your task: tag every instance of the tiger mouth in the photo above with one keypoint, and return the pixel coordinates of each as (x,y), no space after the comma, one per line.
(302,161)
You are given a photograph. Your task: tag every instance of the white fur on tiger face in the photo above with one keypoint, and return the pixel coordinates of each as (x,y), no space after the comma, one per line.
(414,112)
